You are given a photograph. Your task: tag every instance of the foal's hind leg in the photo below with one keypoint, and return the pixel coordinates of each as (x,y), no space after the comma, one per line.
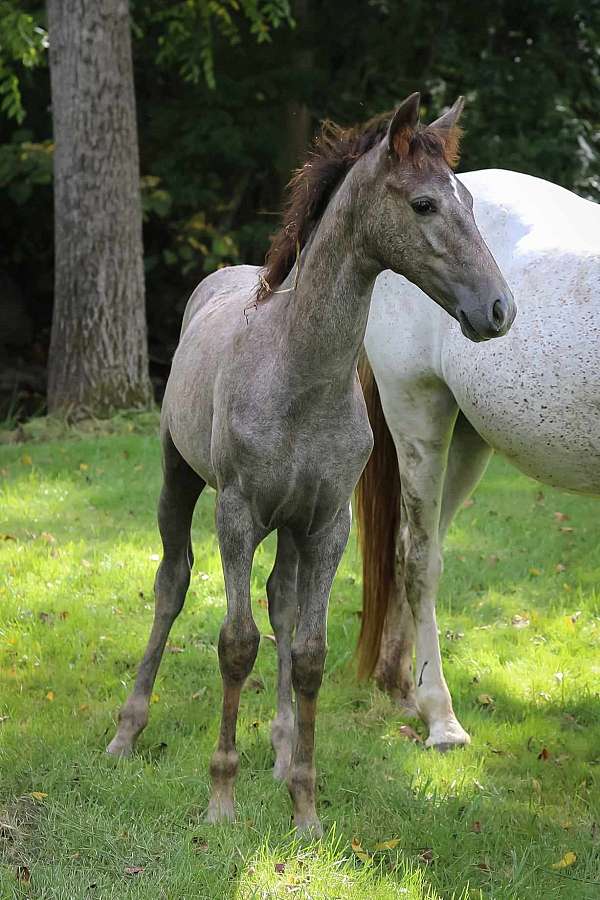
(283,611)
(238,642)
(180,491)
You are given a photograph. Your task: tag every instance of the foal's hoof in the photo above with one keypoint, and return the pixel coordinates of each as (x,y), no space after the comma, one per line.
(120,747)
(309,828)
(220,811)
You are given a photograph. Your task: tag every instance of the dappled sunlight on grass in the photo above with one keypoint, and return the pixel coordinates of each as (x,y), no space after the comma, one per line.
(520,642)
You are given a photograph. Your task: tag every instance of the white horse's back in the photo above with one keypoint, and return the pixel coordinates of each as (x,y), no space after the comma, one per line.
(533,395)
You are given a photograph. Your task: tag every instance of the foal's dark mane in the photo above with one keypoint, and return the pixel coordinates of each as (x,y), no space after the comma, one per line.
(334,152)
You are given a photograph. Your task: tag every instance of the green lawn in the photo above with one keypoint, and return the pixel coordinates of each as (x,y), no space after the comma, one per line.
(78,552)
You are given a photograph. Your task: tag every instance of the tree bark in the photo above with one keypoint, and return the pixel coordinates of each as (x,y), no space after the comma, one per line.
(98,350)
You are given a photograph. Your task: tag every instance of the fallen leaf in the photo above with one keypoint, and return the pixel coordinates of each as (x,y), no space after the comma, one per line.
(154,698)
(199,844)
(134,870)
(559,567)
(537,787)
(544,754)
(485,700)
(23,874)
(518,621)
(426,855)
(388,845)
(7,537)
(38,795)
(63,615)
(26,460)
(4,719)
(561,517)
(468,503)
(410,733)
(83,467)
(566,529)
(358,850)
(270,637)
(566,824)
(50,696)
(172,648)
(280,868)
(568,859)
(476,827)
(197,694)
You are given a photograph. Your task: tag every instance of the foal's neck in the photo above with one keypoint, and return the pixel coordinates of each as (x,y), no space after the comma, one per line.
(329,306)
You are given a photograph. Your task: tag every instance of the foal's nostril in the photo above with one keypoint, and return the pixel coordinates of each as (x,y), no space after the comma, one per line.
(499,310)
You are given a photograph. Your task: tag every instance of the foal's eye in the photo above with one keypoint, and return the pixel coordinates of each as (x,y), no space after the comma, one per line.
(423,206)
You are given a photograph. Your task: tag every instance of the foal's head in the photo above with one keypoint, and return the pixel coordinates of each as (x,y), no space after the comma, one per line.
(418,221)
(412,215)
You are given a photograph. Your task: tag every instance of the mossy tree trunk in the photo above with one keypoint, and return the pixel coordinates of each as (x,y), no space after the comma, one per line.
(98,351)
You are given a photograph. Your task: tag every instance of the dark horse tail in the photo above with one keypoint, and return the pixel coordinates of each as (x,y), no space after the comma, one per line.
(378,515)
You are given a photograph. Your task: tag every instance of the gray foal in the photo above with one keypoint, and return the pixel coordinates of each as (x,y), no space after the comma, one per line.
(263,403)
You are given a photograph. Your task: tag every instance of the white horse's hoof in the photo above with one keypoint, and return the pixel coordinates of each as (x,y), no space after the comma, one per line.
(447,736)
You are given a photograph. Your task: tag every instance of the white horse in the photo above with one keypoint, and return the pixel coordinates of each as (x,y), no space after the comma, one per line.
(533,396)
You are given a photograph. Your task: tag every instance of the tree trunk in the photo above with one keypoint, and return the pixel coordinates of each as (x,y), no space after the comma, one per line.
(98,350)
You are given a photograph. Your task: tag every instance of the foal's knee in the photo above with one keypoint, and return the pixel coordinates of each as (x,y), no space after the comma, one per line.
(308,662)
(238,646)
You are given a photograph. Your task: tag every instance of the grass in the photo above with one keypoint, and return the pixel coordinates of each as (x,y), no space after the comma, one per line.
(77,559)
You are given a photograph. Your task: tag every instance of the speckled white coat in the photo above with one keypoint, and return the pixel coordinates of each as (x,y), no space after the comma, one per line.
(533,395)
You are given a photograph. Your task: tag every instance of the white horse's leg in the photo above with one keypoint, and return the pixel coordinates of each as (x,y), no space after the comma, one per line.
(468,459)
(421,424)
(394,669)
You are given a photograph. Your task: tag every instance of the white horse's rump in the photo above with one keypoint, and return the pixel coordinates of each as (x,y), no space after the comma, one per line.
(533,396)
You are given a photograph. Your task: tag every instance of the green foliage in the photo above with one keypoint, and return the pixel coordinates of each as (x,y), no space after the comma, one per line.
(217,87)
(78,544)
(23,165)
(23,42)
(187,29)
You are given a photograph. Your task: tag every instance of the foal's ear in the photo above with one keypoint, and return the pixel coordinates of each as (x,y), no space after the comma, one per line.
(403,125)
(449,130)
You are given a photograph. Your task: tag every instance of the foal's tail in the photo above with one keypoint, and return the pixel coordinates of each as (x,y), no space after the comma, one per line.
(378,515)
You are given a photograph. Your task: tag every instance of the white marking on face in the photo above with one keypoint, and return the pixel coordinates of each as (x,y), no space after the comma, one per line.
(454,184)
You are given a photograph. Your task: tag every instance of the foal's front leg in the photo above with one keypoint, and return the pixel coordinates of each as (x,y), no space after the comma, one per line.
(319,559)
(238,643)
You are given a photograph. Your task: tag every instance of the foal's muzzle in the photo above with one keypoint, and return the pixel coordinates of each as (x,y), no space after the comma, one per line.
(482,322)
